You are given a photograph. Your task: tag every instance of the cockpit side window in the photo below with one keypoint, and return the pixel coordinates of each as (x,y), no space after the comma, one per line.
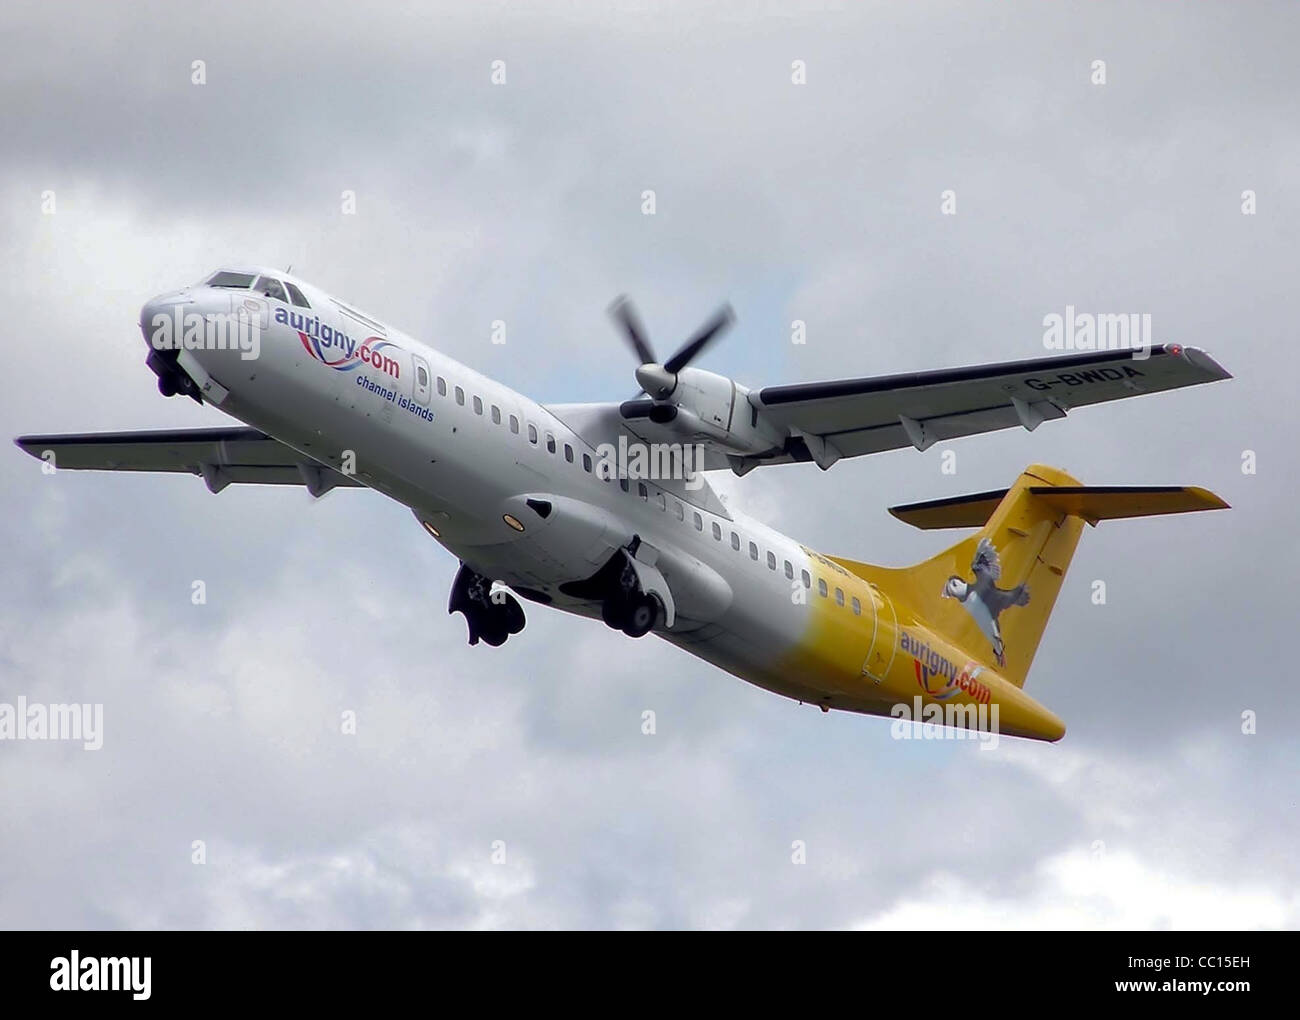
(296,295)
(271,288)
(236,281)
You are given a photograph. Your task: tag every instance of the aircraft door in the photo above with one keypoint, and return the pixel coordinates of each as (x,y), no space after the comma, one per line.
(422,382)
(884,627)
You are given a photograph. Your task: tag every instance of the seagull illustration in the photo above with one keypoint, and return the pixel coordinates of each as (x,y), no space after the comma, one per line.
(984,600)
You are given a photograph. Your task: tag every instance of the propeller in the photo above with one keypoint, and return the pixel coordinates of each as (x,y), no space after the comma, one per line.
(655,379)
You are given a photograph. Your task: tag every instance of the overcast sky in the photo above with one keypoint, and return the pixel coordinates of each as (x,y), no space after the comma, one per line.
(522,202)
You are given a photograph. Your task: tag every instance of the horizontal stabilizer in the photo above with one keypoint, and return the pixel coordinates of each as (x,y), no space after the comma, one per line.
(1096,503)
(971,511)
(1091,503)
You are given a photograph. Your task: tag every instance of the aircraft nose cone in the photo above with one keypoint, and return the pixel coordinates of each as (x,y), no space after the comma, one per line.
(158,315)
(155,318)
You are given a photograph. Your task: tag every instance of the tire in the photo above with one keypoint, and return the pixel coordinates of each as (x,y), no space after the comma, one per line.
(614,611)
(643,617)
(513,615)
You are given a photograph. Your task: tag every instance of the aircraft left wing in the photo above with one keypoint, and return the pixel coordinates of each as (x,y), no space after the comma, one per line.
(852,417)
(220,456)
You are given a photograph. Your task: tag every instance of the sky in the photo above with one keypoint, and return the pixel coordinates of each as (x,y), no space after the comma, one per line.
(514,787)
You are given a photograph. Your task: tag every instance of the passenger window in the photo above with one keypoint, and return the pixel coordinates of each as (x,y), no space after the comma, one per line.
(586,463)
(699,523)
(271,288)
(822,590)
(478,406)
(857,606)
(642,491)
(423,376)
(568,453)
(735,541)
(460,396)
(295,295)
(681,512)
(496,415)
(622,484)
(771,560)
(789,570)
(717,531)
(514,424)
(753,551)
(442,386)
(550,443)
(839,596)
(807,581)
(663,503)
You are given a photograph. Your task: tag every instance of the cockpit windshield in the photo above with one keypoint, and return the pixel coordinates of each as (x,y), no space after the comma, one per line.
(235,281)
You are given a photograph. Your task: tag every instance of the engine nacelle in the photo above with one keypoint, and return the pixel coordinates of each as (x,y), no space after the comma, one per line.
(715,408)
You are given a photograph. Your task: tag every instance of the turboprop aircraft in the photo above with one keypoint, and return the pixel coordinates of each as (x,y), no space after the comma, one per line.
(548,502)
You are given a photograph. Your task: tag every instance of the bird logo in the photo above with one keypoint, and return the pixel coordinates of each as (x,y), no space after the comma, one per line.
(983,599)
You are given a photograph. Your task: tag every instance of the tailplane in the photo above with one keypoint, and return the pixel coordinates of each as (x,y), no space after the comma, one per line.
(992,593)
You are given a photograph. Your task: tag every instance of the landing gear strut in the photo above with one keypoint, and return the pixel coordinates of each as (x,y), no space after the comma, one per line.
(492,616)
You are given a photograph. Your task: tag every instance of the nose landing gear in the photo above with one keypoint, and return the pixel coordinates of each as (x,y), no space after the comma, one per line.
(171,379)
(492,616)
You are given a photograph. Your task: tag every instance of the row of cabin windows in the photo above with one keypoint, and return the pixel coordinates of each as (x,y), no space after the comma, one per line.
(644,493)
(495,414)
(822,588)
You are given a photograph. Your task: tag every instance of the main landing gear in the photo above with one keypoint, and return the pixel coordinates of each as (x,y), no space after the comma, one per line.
(626,607)
(492,616)
(623,604)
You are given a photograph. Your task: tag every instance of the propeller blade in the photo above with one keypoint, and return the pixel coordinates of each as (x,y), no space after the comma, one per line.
(623,313)
(688,351)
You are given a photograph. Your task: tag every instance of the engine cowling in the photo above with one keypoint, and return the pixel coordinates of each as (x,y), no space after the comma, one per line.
(716,409)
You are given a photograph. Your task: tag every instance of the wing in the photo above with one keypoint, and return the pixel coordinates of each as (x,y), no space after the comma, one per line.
(219,456)
(985,565)
(860,416)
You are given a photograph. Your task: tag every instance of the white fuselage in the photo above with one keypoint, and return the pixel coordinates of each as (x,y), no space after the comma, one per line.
(463,451)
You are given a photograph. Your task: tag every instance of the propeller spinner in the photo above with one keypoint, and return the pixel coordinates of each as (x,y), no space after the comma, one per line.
(655,379)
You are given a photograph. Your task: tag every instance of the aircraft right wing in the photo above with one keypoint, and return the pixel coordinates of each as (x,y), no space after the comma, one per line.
(220,456)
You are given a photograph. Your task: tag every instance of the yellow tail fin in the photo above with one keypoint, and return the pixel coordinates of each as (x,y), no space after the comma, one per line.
(993,592)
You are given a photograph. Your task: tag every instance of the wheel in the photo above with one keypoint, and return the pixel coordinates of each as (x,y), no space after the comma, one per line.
(494,632)
(644,615)
(614,611)
(513,616)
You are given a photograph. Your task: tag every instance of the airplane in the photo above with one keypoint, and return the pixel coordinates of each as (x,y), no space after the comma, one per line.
(530,501)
